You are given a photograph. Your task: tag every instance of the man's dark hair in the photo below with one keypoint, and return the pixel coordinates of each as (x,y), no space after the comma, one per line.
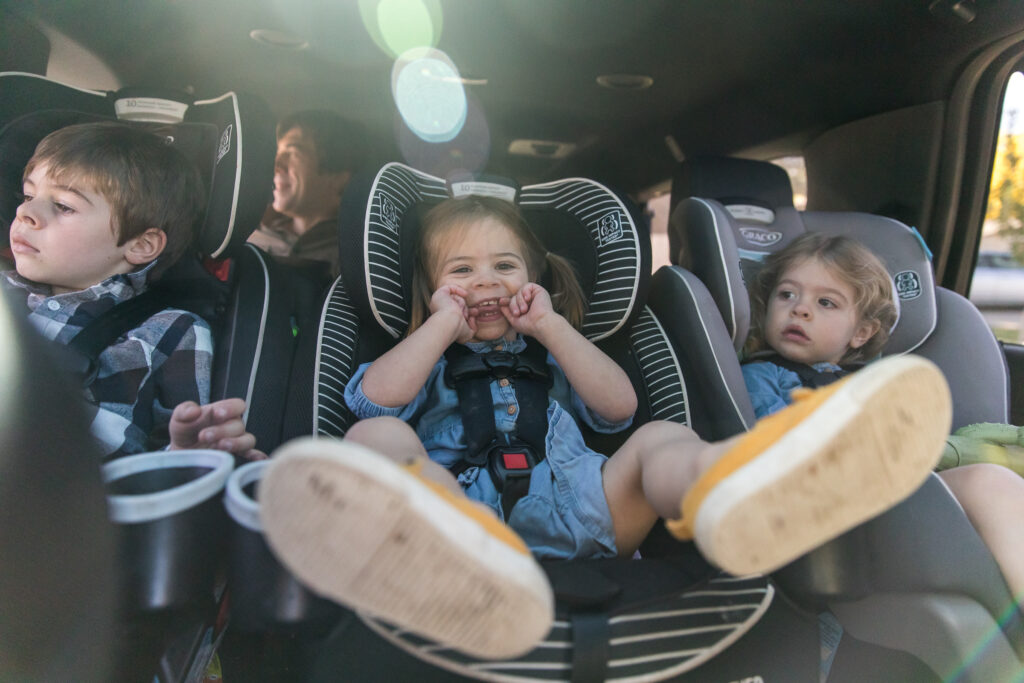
(340,143)
(147,182)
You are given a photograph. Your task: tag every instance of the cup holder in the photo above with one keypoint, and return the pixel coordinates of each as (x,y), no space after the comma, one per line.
(265,596)
(170,525)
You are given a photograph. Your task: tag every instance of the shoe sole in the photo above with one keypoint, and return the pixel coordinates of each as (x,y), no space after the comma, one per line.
(359,529)
(884,432)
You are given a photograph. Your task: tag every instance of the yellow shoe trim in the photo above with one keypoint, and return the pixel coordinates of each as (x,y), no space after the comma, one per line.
(760,438)
(475,511)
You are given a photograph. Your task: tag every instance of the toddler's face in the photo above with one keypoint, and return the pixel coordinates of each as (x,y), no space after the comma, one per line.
(812,316)
(486,260)
(63,236)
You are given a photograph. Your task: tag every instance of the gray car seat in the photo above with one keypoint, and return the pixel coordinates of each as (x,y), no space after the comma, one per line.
(919,568)
(728,214)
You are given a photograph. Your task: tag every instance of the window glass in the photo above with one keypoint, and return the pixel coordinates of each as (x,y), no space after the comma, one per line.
(997,287)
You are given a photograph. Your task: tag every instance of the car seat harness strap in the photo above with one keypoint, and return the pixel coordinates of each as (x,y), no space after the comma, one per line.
(809,377)
(104,330)
(509,459)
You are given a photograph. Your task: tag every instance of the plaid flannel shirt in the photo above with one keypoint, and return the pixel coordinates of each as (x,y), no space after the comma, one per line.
(143,375)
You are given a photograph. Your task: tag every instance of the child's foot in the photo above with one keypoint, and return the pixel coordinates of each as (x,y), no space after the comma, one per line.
(835,458)
(377,537)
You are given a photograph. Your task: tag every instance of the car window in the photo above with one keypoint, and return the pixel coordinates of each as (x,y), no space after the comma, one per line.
(997,287)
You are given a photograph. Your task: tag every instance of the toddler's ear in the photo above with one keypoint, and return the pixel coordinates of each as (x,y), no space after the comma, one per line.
(144,248)
(865,331)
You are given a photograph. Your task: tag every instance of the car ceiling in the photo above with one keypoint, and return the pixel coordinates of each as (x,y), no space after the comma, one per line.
(729,76)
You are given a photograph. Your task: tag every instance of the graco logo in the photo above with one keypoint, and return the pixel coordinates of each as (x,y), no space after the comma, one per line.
(760,236)
(908,284)
(609,229)
(388,212)
(225,143)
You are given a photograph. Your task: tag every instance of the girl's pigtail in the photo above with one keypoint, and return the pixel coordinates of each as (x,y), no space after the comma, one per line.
(566,293)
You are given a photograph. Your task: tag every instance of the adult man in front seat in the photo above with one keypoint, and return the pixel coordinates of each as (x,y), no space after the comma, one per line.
(318,151)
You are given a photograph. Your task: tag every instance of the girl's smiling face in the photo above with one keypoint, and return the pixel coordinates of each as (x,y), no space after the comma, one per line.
(484,258)
(812,315)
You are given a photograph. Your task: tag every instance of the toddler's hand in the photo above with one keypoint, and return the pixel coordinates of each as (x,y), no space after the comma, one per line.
(452,298)
(216,425)
(527,308)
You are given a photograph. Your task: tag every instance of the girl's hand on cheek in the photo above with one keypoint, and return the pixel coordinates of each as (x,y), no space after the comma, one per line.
(450,300)
(526,308)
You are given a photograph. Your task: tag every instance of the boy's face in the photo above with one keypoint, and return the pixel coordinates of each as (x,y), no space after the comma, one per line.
(64,237)
(812,315)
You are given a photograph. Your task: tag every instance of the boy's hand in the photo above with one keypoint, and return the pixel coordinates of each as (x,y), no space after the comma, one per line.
(527,308)
(451,299)
(216,425)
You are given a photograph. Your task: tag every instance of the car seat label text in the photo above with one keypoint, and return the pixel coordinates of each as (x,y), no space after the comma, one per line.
(908,284)
(609,229)
(760,236)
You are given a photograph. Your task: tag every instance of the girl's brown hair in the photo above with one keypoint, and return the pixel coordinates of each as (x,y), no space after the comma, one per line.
(566,292)
(848,260)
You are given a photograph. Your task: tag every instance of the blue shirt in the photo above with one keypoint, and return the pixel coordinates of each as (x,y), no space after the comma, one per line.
(565,514)
(769,385)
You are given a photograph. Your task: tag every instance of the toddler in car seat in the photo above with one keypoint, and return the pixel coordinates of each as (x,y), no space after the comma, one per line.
(403,520)
(107,208)
(823,306)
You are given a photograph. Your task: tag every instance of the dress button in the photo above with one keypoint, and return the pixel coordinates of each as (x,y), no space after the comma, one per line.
(499,347)
(504,382)
(511,410)
(52,305)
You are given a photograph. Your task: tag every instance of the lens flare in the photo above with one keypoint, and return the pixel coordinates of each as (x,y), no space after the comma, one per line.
(397,26)
(429,94)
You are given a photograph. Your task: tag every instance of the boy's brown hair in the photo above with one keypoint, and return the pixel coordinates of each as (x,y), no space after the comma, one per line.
(147,182)
(566,293)
(848,260)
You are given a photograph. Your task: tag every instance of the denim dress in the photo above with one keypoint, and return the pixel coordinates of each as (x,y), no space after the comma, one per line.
(564,515)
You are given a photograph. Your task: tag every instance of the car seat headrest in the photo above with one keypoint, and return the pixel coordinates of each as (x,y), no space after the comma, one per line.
(580,219)
(733,182)
(230,138)
(725,247)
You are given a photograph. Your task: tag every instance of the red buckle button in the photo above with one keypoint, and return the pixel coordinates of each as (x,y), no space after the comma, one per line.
(515,461)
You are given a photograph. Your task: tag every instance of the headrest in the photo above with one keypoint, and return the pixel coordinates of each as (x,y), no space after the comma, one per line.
(726,247)
(733,181)
(580,219)
(218,135)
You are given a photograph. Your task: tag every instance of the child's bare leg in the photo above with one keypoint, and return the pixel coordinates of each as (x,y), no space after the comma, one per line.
(394,438)
(993,498)
(650,474)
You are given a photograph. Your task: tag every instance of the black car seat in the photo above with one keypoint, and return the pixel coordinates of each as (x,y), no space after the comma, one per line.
(253,304)
(668,615)
(728,213)
(257,307)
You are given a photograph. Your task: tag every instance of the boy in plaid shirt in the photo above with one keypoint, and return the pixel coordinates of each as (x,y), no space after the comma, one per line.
(107,209)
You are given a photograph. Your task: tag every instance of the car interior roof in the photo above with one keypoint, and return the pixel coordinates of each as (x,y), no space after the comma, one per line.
(729,76)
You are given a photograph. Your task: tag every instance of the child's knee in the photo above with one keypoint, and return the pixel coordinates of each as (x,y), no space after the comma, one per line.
(368,431)
(662,430)
(983,480)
